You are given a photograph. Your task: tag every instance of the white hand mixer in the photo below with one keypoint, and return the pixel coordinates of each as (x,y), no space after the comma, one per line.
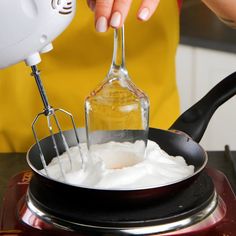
(27,29)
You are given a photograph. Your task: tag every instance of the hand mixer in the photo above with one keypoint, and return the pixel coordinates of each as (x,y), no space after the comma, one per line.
(27,29)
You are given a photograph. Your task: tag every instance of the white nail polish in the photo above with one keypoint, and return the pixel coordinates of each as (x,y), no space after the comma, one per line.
(115,19)
(101,24)
(144,14)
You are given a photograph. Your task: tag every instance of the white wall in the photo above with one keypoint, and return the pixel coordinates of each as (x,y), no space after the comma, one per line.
(198,70)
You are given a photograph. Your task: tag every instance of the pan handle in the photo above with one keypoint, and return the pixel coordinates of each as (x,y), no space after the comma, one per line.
(194,121)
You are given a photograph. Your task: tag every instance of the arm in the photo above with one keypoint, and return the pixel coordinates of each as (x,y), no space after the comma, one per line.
(224,9)
(113,12)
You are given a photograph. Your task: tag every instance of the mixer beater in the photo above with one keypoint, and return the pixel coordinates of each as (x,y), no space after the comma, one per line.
(25,35)
(50,113)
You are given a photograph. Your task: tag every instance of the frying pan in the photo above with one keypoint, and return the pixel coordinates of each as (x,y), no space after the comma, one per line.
(181,139)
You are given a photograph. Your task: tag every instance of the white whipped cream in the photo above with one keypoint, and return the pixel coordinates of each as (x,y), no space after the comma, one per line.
(157,169)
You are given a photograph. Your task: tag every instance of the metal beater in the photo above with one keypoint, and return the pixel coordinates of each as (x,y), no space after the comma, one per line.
(50,114)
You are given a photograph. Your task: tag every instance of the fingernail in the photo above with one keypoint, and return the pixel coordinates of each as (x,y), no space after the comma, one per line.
(143,15)
(115,19)
(101,24)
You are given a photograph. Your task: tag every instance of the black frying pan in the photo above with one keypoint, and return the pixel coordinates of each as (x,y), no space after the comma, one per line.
(181,139)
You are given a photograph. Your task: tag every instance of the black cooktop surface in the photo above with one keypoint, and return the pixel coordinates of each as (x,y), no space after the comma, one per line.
(172,208)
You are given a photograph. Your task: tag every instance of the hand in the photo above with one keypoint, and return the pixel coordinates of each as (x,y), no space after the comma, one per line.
(114,12)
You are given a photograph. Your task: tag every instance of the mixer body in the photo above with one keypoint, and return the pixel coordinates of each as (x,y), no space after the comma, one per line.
(29,26)
(27,29)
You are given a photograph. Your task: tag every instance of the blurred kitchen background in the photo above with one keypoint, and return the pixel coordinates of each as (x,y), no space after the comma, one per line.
(207,54)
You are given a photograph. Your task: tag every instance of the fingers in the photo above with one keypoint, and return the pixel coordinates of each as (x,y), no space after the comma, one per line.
(114,12)
(110,13)
(103,11)
(119,12)
(147,9)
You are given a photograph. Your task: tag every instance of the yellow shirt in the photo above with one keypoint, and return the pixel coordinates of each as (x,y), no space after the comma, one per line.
(79,62)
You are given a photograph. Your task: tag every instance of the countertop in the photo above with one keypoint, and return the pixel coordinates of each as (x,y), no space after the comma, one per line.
(199,27)
(11,164)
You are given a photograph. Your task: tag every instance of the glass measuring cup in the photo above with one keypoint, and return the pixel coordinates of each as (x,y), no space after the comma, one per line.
(117,115)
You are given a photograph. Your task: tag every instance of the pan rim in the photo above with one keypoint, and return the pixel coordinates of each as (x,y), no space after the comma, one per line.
(124,189)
